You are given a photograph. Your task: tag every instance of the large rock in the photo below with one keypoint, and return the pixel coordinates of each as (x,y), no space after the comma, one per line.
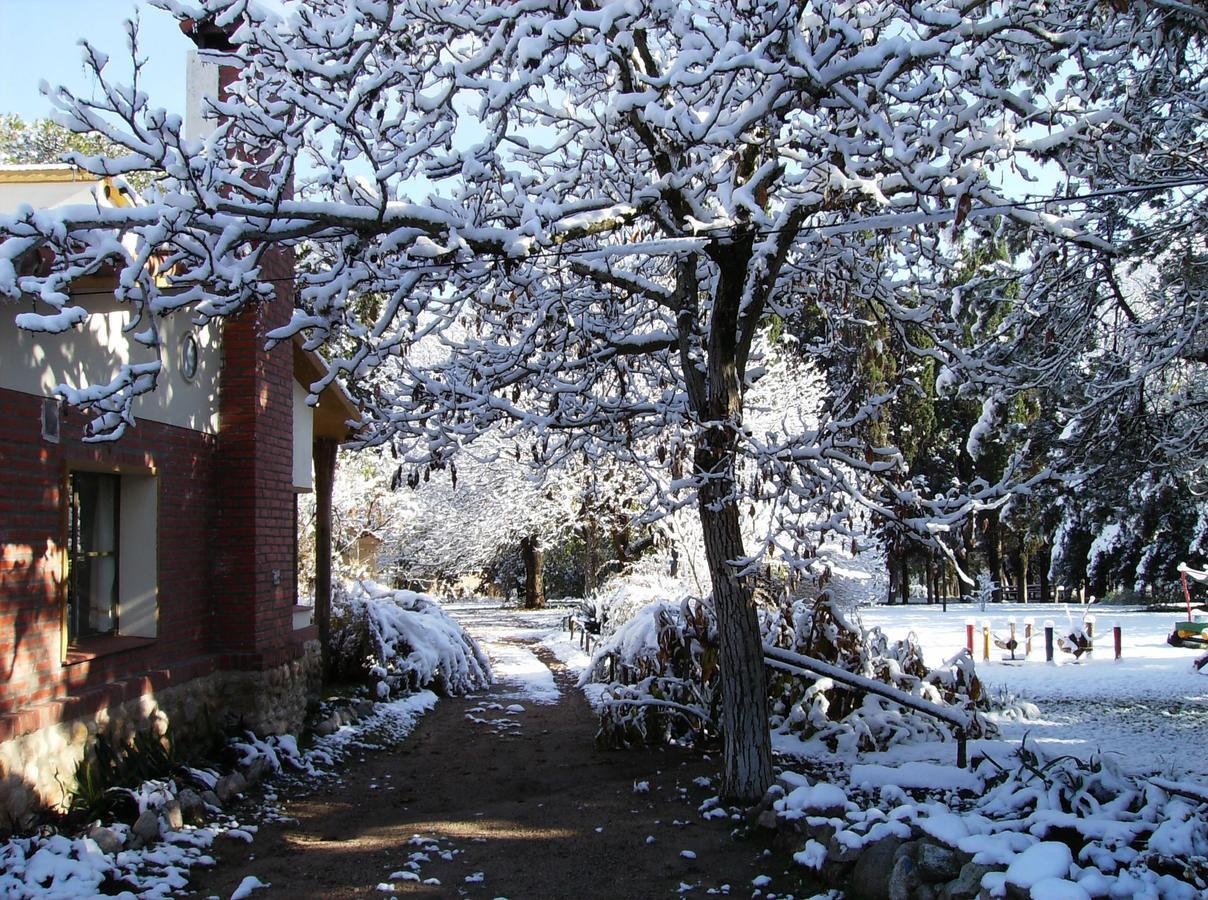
(146,828)
(937,862)
(870,877)
(173,815)
(967,885)
(192,807)
(903,878)
(106,838)
(230,786)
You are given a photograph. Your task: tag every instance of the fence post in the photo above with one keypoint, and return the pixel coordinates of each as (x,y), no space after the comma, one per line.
(986,641)
(1027,637)
(969,635)
(1116,639)
(1048,640)
(1088,623)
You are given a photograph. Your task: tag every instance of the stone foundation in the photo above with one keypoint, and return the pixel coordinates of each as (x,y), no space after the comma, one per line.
(38,769)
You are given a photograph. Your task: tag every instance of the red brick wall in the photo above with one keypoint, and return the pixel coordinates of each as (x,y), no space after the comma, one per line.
(32,531)
(254,587)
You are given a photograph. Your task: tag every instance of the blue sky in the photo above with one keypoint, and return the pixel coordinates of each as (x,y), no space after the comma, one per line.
(39,40)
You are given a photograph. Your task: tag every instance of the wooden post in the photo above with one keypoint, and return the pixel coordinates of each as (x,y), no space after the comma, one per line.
(986,641)
(325,450)
(1117,639)
(969,635)
(1089,625)
(1048,640)
(1027,637)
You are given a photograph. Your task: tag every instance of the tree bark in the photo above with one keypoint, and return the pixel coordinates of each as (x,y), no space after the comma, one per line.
(747,752)
(591,557)
(1021,575)
(534,573)
(715,391)
(325,450)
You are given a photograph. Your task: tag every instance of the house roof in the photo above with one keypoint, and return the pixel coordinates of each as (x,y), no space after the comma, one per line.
(336,407)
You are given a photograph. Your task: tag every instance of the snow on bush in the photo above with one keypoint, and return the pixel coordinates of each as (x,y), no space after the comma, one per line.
(1090,828)
(661,668)
(847,719)
(402,640)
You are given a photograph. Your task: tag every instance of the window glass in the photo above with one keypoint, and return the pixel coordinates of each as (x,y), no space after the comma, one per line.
(93,564)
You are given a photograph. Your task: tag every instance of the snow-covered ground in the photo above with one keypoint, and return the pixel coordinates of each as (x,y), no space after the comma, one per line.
(1149,708)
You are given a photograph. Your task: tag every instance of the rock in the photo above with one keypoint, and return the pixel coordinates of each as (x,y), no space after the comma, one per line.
(230,786)
(937,863)
(363,707)
(766,819)
(192,806)
(838,852)
(146,828)
(330,725)
(259,769)
(210,798)
(967,885)
(923,892)
(106,838)
(173,815)
(903,878)
(870,877)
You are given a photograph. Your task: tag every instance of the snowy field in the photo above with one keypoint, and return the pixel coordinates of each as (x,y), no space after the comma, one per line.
(1150,708)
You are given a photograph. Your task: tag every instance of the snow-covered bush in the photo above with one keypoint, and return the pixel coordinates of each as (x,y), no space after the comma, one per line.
(403,641)
(661,669)
(661,666)
(847,718)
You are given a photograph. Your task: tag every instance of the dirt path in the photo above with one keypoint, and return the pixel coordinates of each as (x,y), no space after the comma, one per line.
(488,800)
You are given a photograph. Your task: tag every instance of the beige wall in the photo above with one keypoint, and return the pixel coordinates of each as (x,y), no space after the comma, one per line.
(36,363)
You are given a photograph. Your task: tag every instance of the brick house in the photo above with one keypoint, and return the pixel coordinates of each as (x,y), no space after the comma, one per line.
(148,584)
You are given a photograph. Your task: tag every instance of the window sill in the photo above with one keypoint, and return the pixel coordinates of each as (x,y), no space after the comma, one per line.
(103,645)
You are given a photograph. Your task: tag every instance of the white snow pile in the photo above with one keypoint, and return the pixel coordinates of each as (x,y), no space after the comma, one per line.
(404,641)
(1039,827)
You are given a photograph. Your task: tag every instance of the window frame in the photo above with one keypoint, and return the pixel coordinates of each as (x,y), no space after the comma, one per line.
(141,573)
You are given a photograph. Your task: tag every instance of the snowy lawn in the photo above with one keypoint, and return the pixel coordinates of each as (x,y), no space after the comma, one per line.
(1149,709)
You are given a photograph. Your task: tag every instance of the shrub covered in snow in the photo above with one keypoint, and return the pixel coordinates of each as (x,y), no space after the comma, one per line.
(846,718)
(403,641)
(661,669)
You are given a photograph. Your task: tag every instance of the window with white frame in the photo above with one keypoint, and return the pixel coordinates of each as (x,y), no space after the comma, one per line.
(111,548)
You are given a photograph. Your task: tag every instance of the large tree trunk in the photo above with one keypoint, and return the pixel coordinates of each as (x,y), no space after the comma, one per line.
(534,573)
(715,391)
(747,753)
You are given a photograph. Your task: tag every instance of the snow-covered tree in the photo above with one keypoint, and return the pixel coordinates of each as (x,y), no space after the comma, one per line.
(595,209)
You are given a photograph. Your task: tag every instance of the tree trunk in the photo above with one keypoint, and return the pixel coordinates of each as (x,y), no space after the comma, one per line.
(591,557)
(904,580)
(1043,574)
(744,705)
(325,450)
(715,392)
(534,573)
(1021,575)
(894,570)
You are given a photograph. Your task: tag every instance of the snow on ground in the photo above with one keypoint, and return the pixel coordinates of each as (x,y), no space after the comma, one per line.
(1149,709)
